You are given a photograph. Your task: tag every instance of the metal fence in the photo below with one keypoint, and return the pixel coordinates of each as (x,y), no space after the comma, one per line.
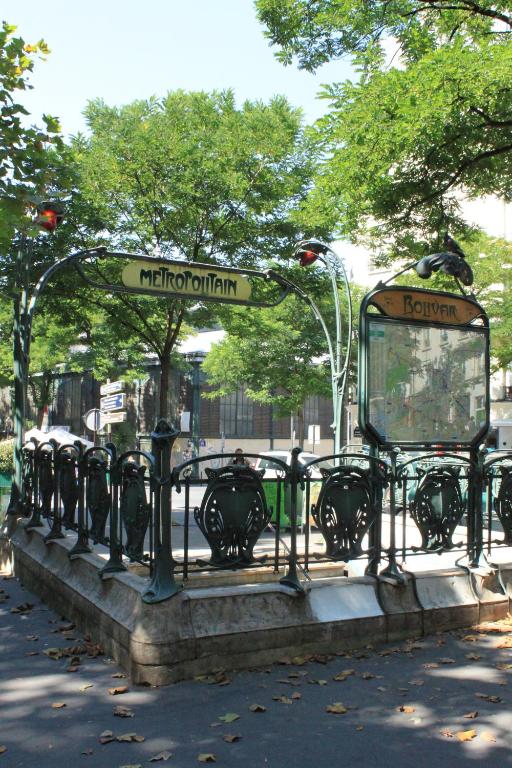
(286,522)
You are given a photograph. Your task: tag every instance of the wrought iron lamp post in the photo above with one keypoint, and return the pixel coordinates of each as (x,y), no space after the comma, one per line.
(195,359)
(308,252)
(49,216)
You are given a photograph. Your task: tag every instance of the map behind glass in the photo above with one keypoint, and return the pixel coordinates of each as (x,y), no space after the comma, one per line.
(426,384)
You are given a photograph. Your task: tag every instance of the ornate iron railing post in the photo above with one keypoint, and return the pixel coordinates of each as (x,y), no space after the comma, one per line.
(35,520)
(392,571)
(115,561)
(475,488)
(56,529)
(163,584)
(82,543)
(375,533)
(291,579)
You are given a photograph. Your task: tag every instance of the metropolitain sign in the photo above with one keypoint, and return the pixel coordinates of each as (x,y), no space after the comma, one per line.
(208,282)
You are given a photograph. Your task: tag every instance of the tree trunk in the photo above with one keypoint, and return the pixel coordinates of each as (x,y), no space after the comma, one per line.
(165,376)
(40,389)
(300,427)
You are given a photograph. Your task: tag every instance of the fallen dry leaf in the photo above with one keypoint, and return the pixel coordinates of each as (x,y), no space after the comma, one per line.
(23,608)
(54,653)
(318,682)
(118,674)
(3,749)
(86,687)
(130,737)
(416,682)
(282,699)
(118,690)
(161,756)
(336,709)
(296,695)
(206,757)
(87,751)
(257,708)
(488,697)
(446,732)
(231,737)
(32,653)
(405,708)
(466,735)
(229,717)
(503,665)
(123,712)
(431,665)
(367,676)
(473,656)
(488,736)
(132,765)
(359,727)
(58,705)
(446,660)
(471,638)
(471,715)
(106,737)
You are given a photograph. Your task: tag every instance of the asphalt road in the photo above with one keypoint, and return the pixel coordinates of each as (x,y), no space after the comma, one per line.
(441,700)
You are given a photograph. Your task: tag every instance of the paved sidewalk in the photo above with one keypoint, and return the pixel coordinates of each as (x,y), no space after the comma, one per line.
(402,705)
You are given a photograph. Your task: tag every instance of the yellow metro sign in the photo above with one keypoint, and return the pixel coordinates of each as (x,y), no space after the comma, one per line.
(201,282)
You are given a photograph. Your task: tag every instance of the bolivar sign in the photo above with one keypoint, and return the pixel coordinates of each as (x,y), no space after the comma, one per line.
(206,281)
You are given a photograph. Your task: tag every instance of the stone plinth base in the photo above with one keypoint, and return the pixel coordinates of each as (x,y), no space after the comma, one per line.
(229,627)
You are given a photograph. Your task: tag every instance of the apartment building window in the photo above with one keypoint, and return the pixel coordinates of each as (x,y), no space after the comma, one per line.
(236,415)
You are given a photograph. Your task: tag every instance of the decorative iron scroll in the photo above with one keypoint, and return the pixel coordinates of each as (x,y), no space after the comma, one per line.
(233,514)
(27,479)
(68,488)
(135,509)
(503,504)
(346,509)
(97,496)
(437,507)
(44,460)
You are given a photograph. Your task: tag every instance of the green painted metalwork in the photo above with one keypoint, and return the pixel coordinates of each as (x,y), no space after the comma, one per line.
(368,315)
(233,514)
(345,510)
(291,578)
(135,509)
(163,584)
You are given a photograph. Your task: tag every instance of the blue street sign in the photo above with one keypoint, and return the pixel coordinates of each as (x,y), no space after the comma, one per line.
(113,402)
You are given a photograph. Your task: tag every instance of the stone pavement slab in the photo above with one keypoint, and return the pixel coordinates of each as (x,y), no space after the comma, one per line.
(402,705)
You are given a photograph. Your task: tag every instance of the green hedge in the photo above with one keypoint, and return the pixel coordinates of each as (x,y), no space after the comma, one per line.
(6,456)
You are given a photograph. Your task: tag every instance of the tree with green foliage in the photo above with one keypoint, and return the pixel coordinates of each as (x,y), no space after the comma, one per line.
(279,355)
(25,159)
(190,176)
(412,136)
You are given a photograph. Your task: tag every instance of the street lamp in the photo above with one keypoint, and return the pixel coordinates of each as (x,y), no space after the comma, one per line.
(49,216)
(307,253)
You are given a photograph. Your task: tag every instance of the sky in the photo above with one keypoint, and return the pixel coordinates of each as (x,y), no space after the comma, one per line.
(121,50)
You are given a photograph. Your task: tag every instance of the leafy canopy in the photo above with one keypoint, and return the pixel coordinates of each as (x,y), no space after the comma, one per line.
(25,162)
(415,134)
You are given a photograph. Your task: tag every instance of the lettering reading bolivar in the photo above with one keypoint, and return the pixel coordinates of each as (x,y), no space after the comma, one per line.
(209,284)
(429,309)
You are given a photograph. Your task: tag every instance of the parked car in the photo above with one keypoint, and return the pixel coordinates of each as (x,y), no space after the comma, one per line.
(271,469)
(272,473)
